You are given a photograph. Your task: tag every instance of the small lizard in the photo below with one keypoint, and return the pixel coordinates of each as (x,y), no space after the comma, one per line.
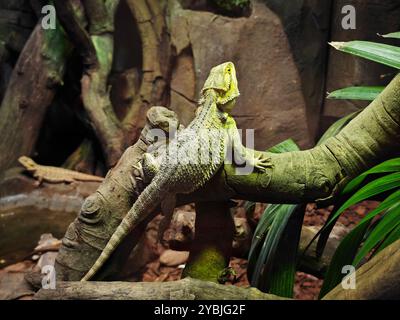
(54,174)
(181,168)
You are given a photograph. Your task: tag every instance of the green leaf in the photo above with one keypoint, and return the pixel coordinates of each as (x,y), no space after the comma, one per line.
(394,35)
(371,189)
(285,146)
(259,235)
(378,52)
(392,237)
(343,256)
(268,268)
(356,93)
(347,249)
(324,233)
(281,278)
(335,128)
(392,165)
(384,227)
(272,238)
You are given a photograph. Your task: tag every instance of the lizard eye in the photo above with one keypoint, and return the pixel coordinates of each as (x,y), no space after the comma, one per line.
(228,69)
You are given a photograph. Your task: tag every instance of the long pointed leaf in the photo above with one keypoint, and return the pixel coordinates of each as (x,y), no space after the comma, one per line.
(384,227)
(393,35)
(284,146)
(335,128)
(259,236)
(343,255)
(267,252)
(268,237)
(324,233)
(347,249)
(283,272)
(392,237)
(392,165)
(371,189)
(356,93)
(378,52)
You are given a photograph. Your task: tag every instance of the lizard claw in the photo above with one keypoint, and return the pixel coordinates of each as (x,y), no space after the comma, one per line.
(261,163)
(138,171)
(138,166)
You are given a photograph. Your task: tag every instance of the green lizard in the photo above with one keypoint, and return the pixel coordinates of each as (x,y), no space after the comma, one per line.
(181,168)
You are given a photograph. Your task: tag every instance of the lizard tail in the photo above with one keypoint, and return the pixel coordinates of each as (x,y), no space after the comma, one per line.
(148,201)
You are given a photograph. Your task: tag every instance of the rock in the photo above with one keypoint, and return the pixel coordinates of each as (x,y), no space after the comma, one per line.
(12,282)
(13,286)
(50,208)
(307,25)
(181,231)
(173,258)
(242,238)
(271,99)
(183,88)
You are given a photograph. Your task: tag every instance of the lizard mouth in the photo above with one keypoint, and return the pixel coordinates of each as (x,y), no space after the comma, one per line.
(231,93)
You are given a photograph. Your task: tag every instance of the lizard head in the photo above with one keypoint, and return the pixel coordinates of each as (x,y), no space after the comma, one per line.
(222,80)
(28,163)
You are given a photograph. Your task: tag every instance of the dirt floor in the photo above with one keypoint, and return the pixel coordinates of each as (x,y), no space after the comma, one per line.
(306,286)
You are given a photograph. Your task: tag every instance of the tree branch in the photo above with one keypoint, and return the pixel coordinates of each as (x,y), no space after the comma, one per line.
(186,289)
(374,280)
(378,279)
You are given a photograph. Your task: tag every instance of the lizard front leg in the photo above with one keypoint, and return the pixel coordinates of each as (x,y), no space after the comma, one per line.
(39,181)
(150,167)
(260,162)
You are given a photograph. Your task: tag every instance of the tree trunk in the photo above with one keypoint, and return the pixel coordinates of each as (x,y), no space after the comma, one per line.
(211,248)
(36,76)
